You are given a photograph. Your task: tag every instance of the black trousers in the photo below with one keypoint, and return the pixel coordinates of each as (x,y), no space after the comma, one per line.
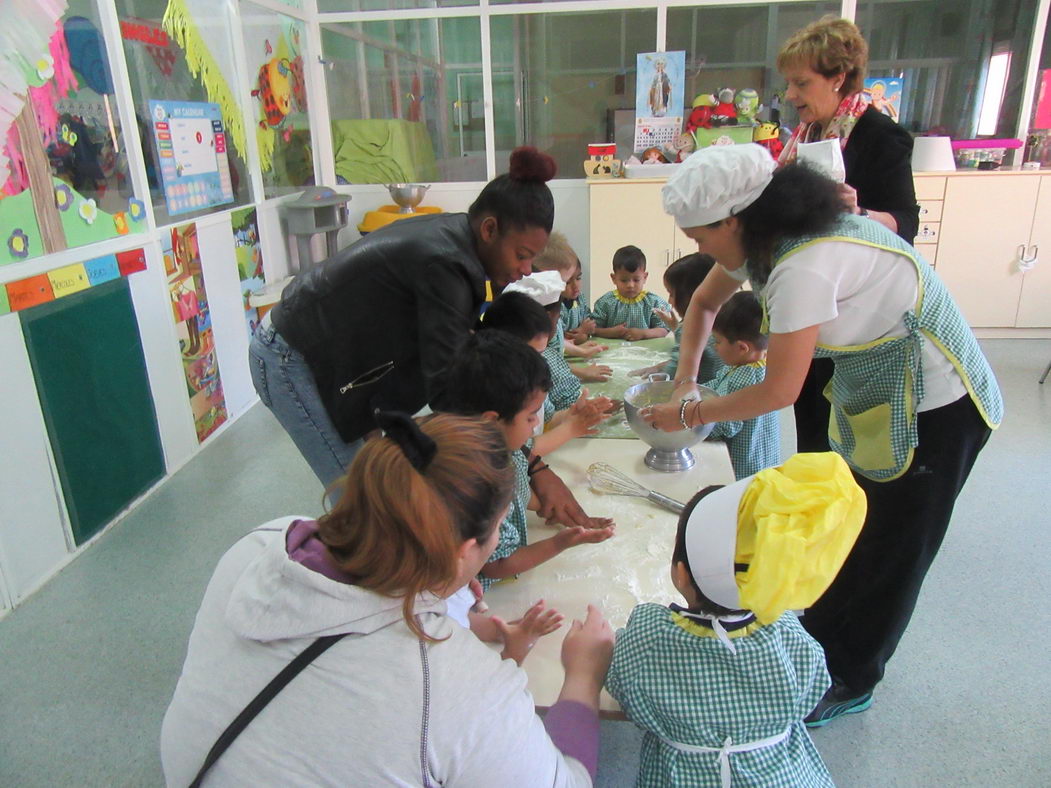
(863,614)
(812,409)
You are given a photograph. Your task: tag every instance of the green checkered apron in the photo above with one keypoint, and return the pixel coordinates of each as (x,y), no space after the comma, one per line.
(612,310)
(711,364)
(754,444)
(513,533)
(565,386)
(877,386)
(573,316)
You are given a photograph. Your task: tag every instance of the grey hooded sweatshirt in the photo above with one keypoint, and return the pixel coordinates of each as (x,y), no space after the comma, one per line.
(355,716)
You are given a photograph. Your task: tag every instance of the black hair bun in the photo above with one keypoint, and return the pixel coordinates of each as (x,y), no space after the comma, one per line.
(529,164)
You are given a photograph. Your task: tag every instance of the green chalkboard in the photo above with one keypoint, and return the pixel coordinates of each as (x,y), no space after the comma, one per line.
(91,379)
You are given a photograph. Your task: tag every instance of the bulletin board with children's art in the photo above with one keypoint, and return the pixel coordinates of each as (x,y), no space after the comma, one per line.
(274,50)
(249,253)
(189,301)
(63,163)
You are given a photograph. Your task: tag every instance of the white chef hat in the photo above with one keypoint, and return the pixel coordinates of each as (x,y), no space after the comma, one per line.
(544,287)
(716,182)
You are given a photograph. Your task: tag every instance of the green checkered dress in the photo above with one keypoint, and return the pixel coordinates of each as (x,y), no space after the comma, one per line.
(876,387)
(679,684)
(711,364)
(513,532)
(573,316)
(565,386)
(612,310)
(754,444)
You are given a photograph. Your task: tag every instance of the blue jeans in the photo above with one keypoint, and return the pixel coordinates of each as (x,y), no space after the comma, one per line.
(285,384)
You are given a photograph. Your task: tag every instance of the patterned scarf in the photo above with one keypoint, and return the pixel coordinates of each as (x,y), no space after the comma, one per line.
(850,109)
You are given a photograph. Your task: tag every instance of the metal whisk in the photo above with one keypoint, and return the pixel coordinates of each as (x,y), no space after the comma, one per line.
(604,478)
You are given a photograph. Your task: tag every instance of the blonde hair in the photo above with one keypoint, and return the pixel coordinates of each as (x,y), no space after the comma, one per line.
(558,255)
(830,46)
(396,530)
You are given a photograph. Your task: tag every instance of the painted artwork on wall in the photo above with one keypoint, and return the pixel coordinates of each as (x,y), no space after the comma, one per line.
(886,94)
(249,254)
(63,180)
(189,300)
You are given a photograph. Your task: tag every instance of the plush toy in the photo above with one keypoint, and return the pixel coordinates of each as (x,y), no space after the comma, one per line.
(653,156)
(747,104)
(681,147)
(701,115)
(768,135)
(724,113)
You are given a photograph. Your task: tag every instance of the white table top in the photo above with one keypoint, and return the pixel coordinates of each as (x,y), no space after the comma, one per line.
(631,567)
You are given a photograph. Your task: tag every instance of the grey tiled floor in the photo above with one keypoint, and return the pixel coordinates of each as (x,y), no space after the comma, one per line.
(88,663)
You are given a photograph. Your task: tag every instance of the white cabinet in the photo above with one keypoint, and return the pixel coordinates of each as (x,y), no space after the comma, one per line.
(989,222)
(623,212)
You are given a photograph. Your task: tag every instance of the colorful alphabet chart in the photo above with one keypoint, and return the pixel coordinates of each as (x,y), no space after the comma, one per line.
(191,146)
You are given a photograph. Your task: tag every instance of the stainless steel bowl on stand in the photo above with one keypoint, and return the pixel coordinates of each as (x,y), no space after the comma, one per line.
(669,451)
(407,195)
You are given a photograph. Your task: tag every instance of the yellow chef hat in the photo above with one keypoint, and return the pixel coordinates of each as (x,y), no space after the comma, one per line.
(793,526)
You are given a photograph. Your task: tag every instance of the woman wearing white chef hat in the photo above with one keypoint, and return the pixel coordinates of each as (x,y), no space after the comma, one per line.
(913,398)
(721,687)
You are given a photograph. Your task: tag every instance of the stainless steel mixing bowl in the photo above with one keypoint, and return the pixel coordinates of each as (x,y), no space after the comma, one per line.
(670,451)
(407,195)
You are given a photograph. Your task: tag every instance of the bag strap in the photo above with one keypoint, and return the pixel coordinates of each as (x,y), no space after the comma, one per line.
(256,705)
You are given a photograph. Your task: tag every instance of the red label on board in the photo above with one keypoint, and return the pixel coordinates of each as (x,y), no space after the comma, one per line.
(131,262)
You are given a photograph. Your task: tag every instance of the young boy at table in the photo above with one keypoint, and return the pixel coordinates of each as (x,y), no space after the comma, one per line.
(500,377)
(721,686)
(754,444)
(680,280)
(629,311)
(522,317)
(572,335)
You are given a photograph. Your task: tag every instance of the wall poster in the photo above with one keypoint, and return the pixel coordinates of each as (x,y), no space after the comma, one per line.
(191,145)
(193,322)
(249,254)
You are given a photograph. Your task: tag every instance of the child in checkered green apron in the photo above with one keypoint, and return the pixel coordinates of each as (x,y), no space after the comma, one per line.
(628,312)
(499,377)
(574,342)
(754,443)
(721,686)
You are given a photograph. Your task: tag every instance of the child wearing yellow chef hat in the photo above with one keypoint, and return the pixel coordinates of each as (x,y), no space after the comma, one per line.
(721,686)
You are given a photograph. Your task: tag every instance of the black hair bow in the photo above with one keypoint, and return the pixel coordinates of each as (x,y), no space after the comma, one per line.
(418,448)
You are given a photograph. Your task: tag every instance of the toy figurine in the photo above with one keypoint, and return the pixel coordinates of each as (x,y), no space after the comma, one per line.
(701,115)
(653,156)
(725,113)
(768,135)
(682,146)
(747,104)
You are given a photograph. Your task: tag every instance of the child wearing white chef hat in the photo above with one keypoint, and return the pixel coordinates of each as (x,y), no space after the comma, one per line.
(721,686)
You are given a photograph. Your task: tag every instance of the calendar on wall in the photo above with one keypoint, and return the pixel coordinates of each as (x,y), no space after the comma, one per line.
(656,132)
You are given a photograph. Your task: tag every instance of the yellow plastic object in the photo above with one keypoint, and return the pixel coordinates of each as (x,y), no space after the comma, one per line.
(796,524)
(385,214)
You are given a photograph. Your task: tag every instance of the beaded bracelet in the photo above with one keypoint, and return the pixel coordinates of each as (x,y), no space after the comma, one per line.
(682,414)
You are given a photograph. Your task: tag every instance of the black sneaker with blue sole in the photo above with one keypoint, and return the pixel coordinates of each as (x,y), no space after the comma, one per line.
(836,703)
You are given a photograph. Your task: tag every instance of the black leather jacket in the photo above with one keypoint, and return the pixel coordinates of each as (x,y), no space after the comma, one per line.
(379,321)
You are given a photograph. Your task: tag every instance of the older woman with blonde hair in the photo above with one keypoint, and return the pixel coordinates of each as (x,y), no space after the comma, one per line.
(824,67)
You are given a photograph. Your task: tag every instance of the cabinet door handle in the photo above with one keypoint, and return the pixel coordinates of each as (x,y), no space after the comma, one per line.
(1020,256)
(667,257)
(1026,263)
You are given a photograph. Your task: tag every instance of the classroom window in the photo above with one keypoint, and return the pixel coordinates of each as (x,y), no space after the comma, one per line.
(193,183)
(64,163)
(387,5)
(943,53)
(560,80)
(405,100)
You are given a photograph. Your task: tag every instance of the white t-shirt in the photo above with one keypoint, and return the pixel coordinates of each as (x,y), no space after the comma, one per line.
(856,294)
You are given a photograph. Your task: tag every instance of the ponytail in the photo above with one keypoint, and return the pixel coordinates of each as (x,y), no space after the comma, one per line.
(798,201)
(519,199)
(396,530)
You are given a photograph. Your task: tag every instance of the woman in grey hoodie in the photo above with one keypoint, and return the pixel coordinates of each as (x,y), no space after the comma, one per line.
(407,696)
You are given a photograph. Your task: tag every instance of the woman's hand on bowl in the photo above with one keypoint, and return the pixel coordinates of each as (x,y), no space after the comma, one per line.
(663,417)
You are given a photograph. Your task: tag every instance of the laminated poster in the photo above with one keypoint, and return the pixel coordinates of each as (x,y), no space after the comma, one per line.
(886,93)
(191,149)
(249,254)
(189,300)
(659,89)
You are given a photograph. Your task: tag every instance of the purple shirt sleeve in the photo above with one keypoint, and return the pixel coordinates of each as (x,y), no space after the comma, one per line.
(573,727)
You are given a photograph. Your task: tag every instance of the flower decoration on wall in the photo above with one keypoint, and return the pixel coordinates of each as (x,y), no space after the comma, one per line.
(88,211)
(63,197)
(136,209)
(18,244)
(45,67)
(120,221)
